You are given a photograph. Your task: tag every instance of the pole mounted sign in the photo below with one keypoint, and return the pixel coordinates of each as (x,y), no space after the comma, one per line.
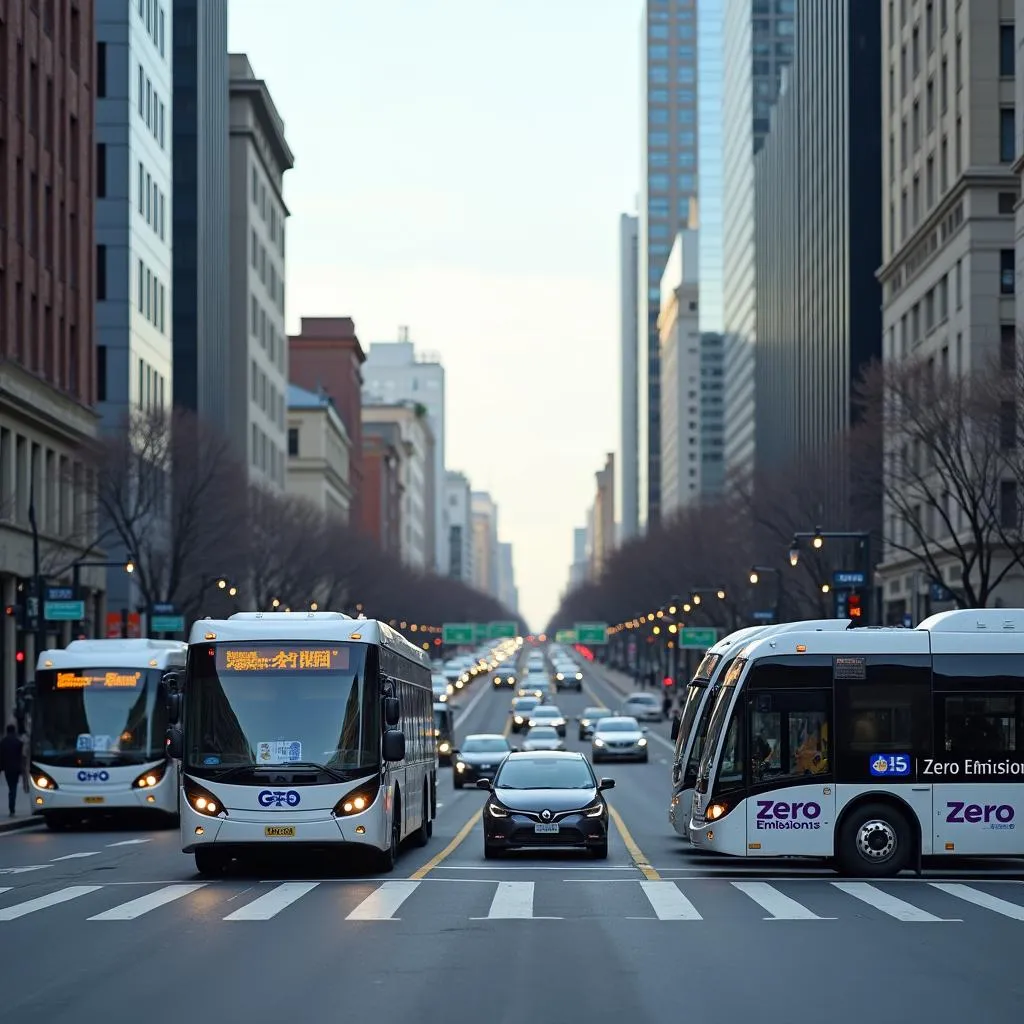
(591,633)
(501,630)
(458,634)
(566,636)
(691,638)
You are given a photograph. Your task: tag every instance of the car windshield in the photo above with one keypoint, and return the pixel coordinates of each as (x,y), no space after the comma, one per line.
(489,745)
(542,732)
(439,682)
(643,698)
(545,773)
(272,704)
(99,716)
(526,703)
(619,725)
(596,713)
(547,711)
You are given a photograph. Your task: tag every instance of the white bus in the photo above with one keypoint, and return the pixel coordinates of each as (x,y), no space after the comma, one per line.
(99,726)
(873,746)
(308,730)
(700,699)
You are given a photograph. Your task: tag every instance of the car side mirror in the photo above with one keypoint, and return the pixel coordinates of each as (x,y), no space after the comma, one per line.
(644,729)
(484,784)
(606,784)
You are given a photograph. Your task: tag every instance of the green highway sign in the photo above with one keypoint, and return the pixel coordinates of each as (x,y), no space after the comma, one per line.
(501,630)
(167,623)
(64,611)
(697,639)
(458,634)
(591,633)
(566,636)
(481,632)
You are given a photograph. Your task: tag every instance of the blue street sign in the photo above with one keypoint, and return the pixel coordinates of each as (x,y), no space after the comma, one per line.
(848,579)
(908,621)
(940,593)
(763,616)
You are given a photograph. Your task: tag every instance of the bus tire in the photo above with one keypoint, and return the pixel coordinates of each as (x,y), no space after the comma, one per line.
(210,863)
(386,859)
(875,841)
(422,836)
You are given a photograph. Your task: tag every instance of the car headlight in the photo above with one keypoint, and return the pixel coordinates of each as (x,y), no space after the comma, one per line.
(444,748)
(598,743)
(460,767)
(518,720)
(496,812)
(202,800)
(642,742)
(585,722)
(594,810)
(560,677)
(579,675)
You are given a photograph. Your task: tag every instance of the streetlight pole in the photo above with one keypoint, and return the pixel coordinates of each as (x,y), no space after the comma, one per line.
(756,572)
(722,594)
(818,538)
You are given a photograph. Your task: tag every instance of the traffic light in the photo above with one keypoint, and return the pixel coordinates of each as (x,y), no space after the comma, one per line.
(853,606)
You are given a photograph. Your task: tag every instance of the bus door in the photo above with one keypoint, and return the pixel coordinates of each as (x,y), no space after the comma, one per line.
(779,739)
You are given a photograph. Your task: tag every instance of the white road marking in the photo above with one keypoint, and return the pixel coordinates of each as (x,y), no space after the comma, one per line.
(668,902)
(887,904)
(271,903)
(778,904)
(130,842)
(536,867)
(144,904)
(42,902)
(22,870)
(382,903)
(467,710)
(5,888)
(76,856)
(513,901)
(981,899)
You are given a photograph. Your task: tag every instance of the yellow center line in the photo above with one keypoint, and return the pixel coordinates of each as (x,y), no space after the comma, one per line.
(448,850)
(631,845)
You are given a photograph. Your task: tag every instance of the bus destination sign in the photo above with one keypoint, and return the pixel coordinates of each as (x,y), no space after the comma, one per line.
(281,658)
(113,679)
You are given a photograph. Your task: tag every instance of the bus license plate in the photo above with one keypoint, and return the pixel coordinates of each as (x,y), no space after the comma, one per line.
(546,829)
(279,831)
(92,799)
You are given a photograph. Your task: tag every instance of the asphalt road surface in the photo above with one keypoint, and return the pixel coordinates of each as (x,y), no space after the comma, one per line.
(115,926)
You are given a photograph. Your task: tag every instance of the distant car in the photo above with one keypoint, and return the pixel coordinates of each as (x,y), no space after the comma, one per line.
(442,688)
(547,799)
(548,714)
(543,737)
(444,731)
(618,739)
(522,708)
(644,707)
(504,677)
(569,679)
(479,757)
(589,719)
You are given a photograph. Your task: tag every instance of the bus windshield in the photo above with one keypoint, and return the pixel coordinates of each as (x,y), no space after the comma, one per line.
(716,724)
(707,666)
(99,716)
(694,693)
(442,724)
(250,705)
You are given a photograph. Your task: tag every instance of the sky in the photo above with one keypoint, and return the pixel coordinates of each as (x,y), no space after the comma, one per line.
(460,169)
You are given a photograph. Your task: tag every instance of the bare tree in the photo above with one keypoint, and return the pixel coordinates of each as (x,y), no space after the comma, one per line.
(951,461)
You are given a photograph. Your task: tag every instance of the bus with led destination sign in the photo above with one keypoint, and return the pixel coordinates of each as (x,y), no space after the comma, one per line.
(308,730)
(873,746)
(98,730)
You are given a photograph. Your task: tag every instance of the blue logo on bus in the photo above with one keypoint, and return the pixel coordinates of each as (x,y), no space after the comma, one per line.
(94,776)
(890,765)
(278,798)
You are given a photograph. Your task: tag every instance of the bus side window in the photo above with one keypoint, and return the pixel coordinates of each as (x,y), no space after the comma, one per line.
(979,723)
(789,735)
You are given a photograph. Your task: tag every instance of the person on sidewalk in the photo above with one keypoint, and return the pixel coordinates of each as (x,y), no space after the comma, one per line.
(12,765)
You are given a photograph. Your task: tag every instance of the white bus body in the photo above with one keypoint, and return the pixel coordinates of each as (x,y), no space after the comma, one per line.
(874,746)
(287,737)
(697,706)
(99,730)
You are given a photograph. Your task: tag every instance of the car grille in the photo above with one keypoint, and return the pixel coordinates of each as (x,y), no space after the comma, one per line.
(555,816)
(620,744)
(566,837)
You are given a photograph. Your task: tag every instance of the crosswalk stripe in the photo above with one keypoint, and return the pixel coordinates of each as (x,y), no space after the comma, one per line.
(129,842)
(382,903)
(981,899)
(144,904)
(42,902)
(512,900)
(25,867)
(273,902)
(668,903)
(778,904)
(886,903)
(76,856)
(5,888)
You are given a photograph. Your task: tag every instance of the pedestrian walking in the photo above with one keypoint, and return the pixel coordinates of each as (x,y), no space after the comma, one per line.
(12,765)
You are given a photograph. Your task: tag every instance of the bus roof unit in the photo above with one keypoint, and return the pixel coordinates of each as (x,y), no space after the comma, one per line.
(115,653)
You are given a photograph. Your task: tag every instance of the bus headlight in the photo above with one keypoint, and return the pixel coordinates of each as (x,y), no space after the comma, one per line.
(41,780)
(715,811)
(357,801)
(202,800)
(147,780)
(444,748)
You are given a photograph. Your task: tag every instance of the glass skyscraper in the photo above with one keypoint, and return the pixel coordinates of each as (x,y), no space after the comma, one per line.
(710,43)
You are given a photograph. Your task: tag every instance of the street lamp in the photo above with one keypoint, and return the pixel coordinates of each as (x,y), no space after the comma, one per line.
(818,538)
(756,572)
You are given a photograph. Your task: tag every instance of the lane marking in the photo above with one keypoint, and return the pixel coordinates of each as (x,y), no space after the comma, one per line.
(538,867)
(887,904)
(271,903)
(513,901)
(382,903)
(778,904)
(5,888)
(425,870)
(144,904)
(76,856)
(129,842)
(631,845)
(668,902)
(22,870)
(42,902)
(981,899)
(651,734)
(467,710)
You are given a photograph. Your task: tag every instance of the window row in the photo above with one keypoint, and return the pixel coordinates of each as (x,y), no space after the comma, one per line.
(265,456)
(658,116)
(659,52)
(658,206)
(150,388)
(152,14)
(151,107)
(686,74)
(684,97)
(660,141)
(262,326)
(151,297)
(272,216)
(263,263)
(152,202)
(265,394)
(660,182)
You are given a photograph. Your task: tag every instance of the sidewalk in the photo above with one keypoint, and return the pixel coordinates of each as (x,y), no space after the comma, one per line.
(20,820)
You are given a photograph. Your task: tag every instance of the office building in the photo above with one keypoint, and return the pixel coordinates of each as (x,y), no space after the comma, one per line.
(603,518)
(396,372)
(458,515)
(199,211)
(259,159)
(710,82)
(319,454)
(759,41)
(133,225)
(380,504)
(417,545)
(949,266)
(818,214)
(485,543)
(508,594)
(668,184)
(628,512)
(48,358)
(579,570)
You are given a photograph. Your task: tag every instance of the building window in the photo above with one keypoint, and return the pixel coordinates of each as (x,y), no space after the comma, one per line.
(1007,140)
(658,74)
(160,33)
(101,169)
(142,287)
(101,67)
(1007,53)
(142,92)
(293,440)
(1009,511)
(101,373)
(658,182)
(101,272)
(1007,271)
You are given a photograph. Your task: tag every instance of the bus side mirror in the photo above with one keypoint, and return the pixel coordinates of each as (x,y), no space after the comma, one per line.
(392,712)
(174,708)
(393,745)
(172,680)
(174,743)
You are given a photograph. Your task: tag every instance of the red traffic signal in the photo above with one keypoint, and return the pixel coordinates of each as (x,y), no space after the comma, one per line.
(667,682)
(853,606)
(20,656)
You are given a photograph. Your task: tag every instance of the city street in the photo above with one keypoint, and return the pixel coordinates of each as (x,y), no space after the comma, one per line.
(100,925)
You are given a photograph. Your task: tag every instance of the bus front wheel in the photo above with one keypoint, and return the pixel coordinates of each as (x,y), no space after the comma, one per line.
(210,862)
(875,841)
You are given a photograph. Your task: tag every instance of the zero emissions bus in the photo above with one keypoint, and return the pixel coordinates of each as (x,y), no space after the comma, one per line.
(306,730)
(875,746)
(700,699)
(98,732)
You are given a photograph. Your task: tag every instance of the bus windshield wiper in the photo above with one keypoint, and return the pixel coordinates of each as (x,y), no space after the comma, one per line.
(308,766)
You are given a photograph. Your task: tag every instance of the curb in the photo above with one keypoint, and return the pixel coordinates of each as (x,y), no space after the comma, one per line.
(20,823)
